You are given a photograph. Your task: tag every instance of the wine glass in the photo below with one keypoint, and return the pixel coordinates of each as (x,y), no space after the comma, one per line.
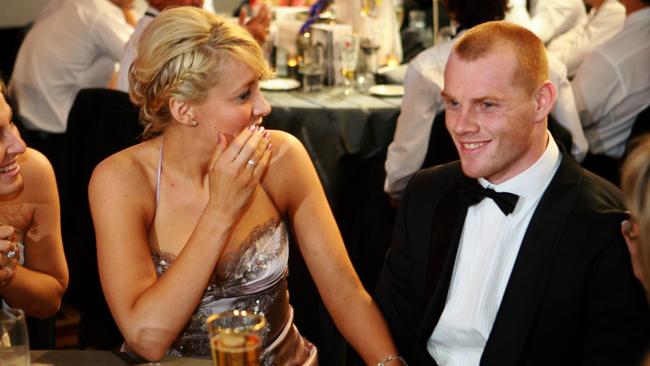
(348,45)
(370,42)
(14,342)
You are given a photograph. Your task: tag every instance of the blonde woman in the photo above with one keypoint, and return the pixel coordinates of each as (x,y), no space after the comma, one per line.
(193,220)
(33,271)
(635,182)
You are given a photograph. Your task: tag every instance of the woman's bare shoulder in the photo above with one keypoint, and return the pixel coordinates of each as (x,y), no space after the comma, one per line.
(290,171)
(130,169)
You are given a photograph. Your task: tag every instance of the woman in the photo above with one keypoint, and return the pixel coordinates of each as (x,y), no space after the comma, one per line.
(192,221)
(635,179)
(33,271)
(635,182)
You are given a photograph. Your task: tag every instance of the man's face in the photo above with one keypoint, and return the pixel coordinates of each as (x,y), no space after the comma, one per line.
(489,118)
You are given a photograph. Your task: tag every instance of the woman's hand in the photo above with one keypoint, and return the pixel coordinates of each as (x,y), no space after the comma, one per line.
(9,255)
(236,169)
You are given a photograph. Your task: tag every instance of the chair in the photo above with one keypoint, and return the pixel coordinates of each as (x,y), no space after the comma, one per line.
(608,167)
(101,122)
(11,38)
(441,148)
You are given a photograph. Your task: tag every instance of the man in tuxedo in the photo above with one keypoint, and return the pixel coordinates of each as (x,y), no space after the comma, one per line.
(512,256)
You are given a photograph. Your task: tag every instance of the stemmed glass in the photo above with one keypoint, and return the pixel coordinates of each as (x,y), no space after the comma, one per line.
(14,342)
(349,54)
(370,44)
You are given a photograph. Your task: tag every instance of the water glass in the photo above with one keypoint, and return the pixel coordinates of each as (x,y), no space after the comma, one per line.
(235,338)
(348,46)
(312,68)
(14,342)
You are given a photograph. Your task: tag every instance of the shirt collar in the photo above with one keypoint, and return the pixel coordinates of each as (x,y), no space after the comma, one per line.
(530,183)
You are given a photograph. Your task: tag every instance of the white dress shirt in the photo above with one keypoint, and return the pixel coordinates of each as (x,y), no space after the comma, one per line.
(130,49)
(600,25)
(612,86)
(73,47)
(422,101)
(548,18)
(487,252)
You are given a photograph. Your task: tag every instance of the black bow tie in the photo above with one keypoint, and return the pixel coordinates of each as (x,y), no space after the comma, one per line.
(470,192)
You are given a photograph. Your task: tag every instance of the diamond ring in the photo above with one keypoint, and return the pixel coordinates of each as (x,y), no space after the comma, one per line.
(251,164)
(11,254)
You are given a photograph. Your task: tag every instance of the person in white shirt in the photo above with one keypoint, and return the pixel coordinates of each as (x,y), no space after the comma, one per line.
(514,255)
(422,99)
(612,86)
(547,18)
(603,21)
(257,25)
(73,45)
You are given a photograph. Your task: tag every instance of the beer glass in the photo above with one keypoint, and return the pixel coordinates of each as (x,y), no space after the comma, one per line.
(235,338)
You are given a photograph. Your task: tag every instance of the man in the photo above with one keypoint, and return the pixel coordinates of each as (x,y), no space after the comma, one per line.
(539,277)
(546,18)
(602,22)
(258,26)
(612,86)
(422,100)
(74,44)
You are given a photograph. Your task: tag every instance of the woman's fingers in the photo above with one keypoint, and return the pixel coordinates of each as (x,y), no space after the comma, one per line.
(263,162)
(7,232)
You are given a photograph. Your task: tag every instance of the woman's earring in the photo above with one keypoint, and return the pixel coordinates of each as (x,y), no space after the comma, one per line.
(195,123)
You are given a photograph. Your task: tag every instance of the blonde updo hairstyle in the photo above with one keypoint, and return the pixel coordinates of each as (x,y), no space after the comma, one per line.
(181,55)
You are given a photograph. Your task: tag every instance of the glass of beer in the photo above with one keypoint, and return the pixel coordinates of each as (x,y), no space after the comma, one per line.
(235,338)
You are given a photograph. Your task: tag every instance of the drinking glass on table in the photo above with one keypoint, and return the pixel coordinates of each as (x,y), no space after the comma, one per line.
(349,54)
(235,338)
(14,342)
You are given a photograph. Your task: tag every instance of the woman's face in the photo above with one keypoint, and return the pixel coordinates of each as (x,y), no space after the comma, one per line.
(234,104)
(11,147)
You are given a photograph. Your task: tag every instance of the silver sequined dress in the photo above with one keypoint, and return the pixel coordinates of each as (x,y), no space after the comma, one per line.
(253,277)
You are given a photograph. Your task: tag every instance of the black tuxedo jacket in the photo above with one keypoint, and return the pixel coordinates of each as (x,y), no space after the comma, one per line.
(571,298)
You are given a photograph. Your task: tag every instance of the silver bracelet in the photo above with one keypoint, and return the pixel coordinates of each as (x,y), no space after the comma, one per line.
(392,358)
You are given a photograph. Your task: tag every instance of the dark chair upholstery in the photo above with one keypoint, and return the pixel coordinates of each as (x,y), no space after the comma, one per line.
(441,148)
(11,39)
(101,122)
(608,167)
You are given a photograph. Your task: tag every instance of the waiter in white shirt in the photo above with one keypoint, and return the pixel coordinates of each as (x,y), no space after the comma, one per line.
(512,256)
(546,18)
(74,44)
(604,20)
(612,86)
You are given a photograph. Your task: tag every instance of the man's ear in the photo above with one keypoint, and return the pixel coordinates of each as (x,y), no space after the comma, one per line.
(182,112)
(545,97)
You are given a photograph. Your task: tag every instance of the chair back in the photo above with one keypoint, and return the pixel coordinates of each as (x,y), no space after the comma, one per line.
(101,122)
(441,148)
(11,38)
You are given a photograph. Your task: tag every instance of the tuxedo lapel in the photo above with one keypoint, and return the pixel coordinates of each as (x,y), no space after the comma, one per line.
(446,228)
(534,261)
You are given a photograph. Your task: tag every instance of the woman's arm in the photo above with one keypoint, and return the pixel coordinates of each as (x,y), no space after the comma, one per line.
(151,311)
(39,284)
(355,313)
